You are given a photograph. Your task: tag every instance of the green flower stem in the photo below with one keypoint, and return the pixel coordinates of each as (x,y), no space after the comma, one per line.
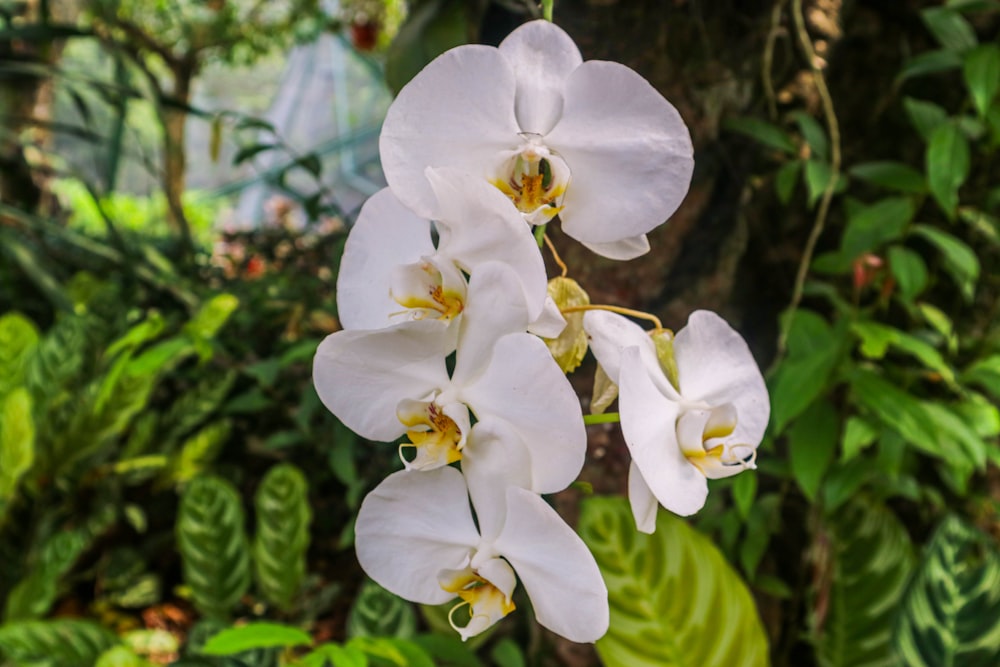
(547,10)
(540,235)
(604,418)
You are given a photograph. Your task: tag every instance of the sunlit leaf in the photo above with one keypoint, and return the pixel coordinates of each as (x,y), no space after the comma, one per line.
(948,163)
(254,636)
(982,75)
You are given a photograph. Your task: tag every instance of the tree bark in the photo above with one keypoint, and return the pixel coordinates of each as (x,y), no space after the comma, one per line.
(173,116)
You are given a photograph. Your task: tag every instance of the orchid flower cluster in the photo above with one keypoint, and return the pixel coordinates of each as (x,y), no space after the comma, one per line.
(456,345)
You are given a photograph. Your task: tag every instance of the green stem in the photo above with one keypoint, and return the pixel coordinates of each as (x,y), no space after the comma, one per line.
(603,418)
(540,235)
(547,10)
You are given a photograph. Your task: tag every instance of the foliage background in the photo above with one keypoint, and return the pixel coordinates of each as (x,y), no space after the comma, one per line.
(168,476)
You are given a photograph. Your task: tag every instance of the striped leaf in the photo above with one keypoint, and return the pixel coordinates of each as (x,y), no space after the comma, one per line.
(213,545)
(950,616)
(675,601)
(872,559)
(56,643)
(282,538)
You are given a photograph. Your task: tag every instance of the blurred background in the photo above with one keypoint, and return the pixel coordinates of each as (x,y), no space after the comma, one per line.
(177,179)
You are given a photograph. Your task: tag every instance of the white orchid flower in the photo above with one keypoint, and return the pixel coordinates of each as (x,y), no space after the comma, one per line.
(592,141)
(391,382)
(391,270)
(706,426)
(416,537)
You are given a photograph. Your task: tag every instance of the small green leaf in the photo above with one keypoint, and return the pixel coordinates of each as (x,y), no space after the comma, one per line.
(17,441)
(959,259)
(664,590)
(868,227)
(507,654)
(858,434)
(812,440)
(120,656)
(814,134)
(249,152)
(18,340)
(890,175)
(924,116)
(948,163)
(448,650)
(950,29)
(982,75)
(951,612)
(212,316)
(876,339)
(766,133)
(986,374)
(334,655)
(785,179)
(255,636)
(818,175)
(930,62)
(744,492)
(909,270)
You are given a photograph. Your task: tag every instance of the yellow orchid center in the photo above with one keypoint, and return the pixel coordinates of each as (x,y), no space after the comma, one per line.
(486,603)
(434,435)
(701,434)
(535,179)
(421,289)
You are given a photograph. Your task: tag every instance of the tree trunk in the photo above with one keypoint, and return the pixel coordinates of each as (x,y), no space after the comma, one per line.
(173,116)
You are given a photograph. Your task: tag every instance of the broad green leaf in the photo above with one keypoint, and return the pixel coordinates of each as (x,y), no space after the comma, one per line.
(940,322)
(785,179)
(813,351)
(282,536)
(431,28)
(213,545)
(744,492)
(254,636)
(951,612)
(140,334)
(17,441)
(212,316)
(334,655)
(871,559)
(877,338)
(890,175)
(872,225)
(56,643)
(959,259)
(378,613)
(924,116)
(812,440)
(858,434)
(508,654)
(986,374)
(666,591)
(34,595)
(398,652)
(948,163)
(766,133)
(843,481)
(120,656)
(18,340)
(814,134)
(448,650)
(952,430)
(909,270)
(950,29)
(818,175)
(930,62)
(982,75)
(198,452)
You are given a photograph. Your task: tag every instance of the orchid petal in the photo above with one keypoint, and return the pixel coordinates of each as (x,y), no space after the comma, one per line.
(610,334)
(550,323)
(494,460)
(361,376)
(385,235)
(478,224)
(622,250)
(494,307)
(648,421)
(715,365)
(412,526)
(542,56)
(524,387)
(629,174)
(556,568)
(643,502)
(424,125)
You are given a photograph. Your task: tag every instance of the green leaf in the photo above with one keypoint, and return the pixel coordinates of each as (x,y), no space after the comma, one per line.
(120,656)
(986,374)
(814,135)
(212,316)
(18,340)
(890,175)
(982,75)
(909,270)
(378,613)
(448,650)
(924,116)
(665,590)
(951,612)
(334,655)
(213,545)
(398,652)
(744,492)
(813,351)
(930,62)
(255,636)
(948,163)
(249,152)
(282,537)
(868,227)
(877,338)
(34,595)
(785,179)
(766,133)
(871,561)
(858,434)
(56,643)
(811,442)
(950,29)
(430,29)
(818,175)
(959,259)
(198,452)
(17,441)
(507,654)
